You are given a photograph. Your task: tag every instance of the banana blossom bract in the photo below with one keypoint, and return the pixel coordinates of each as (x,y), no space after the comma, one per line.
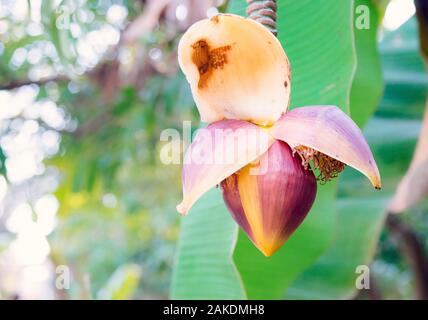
(262,156)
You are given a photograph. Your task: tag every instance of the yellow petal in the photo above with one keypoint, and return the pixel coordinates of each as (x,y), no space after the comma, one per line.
(236,69)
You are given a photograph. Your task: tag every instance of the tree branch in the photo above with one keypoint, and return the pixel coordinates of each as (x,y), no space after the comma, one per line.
(142,25)
(422,15)
(20,83)
(413,251)
(146,22)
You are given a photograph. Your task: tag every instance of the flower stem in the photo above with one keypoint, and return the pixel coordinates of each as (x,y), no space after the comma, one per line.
(263,11)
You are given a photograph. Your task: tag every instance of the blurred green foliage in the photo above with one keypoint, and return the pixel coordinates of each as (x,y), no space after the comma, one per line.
(116,198)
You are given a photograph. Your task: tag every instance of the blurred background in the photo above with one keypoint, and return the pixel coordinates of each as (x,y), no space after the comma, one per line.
(87,86)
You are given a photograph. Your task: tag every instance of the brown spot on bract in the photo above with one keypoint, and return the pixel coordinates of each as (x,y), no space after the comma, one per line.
(215,19)
(218,57)
(286,84)
(200,56)
(208,60)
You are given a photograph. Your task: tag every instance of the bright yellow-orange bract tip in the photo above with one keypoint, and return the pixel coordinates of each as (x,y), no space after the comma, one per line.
(237,69)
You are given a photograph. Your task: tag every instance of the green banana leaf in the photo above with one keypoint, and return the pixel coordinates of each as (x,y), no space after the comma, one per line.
(318,37)
(392,134)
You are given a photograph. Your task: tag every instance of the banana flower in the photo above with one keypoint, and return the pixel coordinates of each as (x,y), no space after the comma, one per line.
(263,156)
